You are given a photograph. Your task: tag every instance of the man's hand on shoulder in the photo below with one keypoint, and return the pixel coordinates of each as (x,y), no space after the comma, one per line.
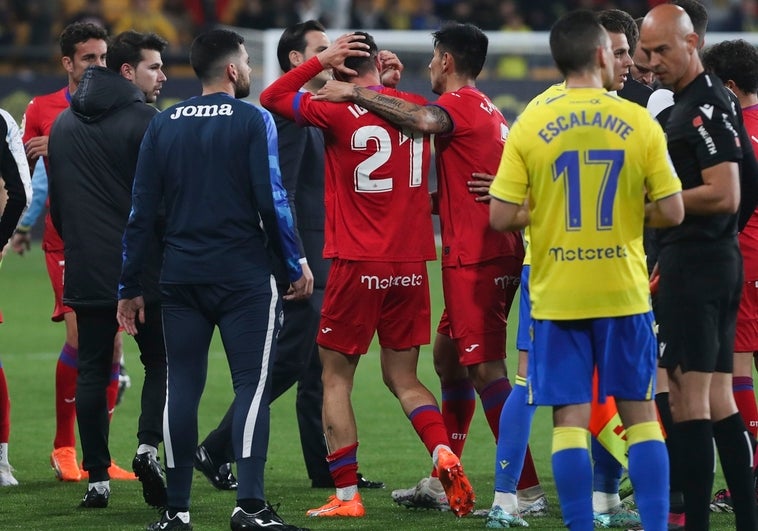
(348,45)
(302,288)
(128,311)
(335,91)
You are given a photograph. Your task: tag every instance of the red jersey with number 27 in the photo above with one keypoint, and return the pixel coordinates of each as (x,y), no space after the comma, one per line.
(38,120)
(474,145)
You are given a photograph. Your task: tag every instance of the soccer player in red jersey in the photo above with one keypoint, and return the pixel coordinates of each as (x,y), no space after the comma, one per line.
(379,236)
(480,267)
(82,45)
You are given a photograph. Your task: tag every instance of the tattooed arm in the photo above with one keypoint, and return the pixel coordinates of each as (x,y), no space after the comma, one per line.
(428,119)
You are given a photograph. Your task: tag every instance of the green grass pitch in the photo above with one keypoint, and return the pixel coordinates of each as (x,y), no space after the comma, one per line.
(389,450)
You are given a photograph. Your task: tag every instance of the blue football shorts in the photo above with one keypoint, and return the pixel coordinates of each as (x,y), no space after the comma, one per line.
(565,353)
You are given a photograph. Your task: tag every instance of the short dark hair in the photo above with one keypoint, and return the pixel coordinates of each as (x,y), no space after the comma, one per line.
(293,38)
(210,49)
(78,32)
(466,43)
(697,13)
(617,21)
(736,60)
(574,38)
(127,47)
(364,64)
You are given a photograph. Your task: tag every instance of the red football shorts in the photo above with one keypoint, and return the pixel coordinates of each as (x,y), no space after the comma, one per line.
(746,334)
(477,301)
(389,298)
(56,270)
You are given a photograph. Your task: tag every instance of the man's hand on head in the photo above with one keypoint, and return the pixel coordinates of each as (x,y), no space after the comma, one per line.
(392,68)
(348,45)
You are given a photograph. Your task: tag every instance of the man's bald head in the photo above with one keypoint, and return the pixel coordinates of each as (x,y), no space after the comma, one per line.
(670,44)
(668,18)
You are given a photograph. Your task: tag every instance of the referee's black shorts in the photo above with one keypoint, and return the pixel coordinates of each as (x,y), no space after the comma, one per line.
(696,306)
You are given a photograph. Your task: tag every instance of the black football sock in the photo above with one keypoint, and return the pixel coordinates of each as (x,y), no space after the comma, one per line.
(692,454)
(735,452)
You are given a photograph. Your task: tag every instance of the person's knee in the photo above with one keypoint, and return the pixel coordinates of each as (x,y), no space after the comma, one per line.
(689,395)
(483,374)
(399,382)
(336,381)
(446,363)
(636,411)
(573,415)
(721,397)
(523,363)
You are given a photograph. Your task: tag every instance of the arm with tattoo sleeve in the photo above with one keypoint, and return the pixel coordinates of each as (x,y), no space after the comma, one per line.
(427,119)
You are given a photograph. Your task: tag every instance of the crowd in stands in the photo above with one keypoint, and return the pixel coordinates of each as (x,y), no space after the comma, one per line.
(29,28)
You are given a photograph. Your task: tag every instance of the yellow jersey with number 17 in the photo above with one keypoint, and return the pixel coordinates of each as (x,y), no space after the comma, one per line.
(585,160)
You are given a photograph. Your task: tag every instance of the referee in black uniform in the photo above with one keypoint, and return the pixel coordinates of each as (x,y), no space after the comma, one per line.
(700,274)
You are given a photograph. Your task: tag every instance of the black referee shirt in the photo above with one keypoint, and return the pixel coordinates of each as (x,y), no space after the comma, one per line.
(702,131)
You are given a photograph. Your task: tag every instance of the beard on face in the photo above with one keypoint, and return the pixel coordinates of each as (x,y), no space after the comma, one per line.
(242,88)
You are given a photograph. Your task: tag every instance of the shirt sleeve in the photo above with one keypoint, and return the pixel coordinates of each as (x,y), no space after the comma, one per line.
(271,196)
(660,100)
(15,173)
(147,195)
(283,95)
(661,179)
(713,137)
(30,123)
(511,182)
(291,146)
(455,112)
(39,194)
